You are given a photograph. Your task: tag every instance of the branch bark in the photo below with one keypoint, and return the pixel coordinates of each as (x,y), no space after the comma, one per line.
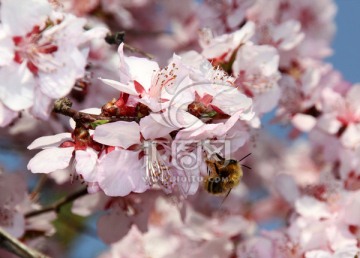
(14,246)
(63,106)
(56,206)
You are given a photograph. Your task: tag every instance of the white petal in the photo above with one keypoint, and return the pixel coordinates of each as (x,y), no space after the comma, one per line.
(352,97)
(16,87)
(60,176)
(121,173)
(253,58)
(318,254)
(42,105)
(288,34)
(58,82)
(286,186)
(50,141)
(20,16)
(127,88)
(6,48)
(50,160)
(18,225)
(351,137)
(94,33)
(6,115)
(303,122)
(229,99)
(312,208)
(85,164)
(153,127)
(88,204)
(123,134)
(329,123)
(141,70)
(267,101)
(352,209)
(125,75)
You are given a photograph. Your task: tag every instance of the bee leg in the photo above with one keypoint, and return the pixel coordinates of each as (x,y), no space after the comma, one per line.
(219,157)
(246,166)
(210,167)
(227,194)
(216,169)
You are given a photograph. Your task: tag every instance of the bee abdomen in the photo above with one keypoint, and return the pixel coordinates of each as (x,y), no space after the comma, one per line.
(214,185)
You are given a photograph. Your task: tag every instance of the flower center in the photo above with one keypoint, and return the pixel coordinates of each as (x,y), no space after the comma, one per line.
(34,49)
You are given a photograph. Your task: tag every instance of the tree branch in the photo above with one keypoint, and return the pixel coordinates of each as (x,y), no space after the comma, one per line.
(14,246)
(118,37)
(137,50)
(63,106)
(56,206)
(40,184)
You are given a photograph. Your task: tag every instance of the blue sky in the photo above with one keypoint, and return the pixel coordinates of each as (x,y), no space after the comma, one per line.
(346,44)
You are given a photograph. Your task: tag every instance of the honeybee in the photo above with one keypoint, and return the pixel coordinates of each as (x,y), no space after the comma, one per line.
(223,175)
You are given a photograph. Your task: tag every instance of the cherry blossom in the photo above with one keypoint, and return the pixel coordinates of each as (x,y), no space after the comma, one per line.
(61,149)
(195,236)
(189,81)
(40,54)
(13,193)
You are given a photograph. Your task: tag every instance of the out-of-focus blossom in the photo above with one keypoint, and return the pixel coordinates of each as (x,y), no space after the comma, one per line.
(13,193)
(221,49)
(256,70)
(225,16)
(196,236)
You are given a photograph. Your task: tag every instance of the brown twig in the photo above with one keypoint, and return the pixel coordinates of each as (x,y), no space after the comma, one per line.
(118,37)
(137,50)
(37,189)
(56,206)
(63,106)
(14,246)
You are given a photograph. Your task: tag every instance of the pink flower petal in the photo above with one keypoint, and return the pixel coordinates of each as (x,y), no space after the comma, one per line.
(120,86)
(123,134)
(121,172)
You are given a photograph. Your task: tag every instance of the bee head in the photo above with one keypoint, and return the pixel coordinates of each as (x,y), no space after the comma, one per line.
(232,162)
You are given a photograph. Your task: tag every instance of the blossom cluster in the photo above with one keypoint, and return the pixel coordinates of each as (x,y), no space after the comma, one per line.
(44,51)
(144,128)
